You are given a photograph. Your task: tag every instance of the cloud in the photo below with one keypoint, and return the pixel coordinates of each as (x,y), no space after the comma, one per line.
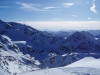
(46,8)
(27,6)
(58,25)
(34,7)
(93,7)
(89,18)
(68,4)
(4,6)
(73,15)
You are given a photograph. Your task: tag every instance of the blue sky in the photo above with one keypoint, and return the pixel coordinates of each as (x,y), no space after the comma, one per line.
(53,14)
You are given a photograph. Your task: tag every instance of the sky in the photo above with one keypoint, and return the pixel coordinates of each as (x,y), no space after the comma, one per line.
(52,14)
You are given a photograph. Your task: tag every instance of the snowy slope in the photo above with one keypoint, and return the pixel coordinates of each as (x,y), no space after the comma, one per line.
(85,66)
(2,72)
(12,61)
(86,62)
(66,71)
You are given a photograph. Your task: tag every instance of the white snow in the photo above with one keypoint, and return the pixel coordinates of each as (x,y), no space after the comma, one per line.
(85,66)
(64,55)
(86,62)
(6,37)
(96,38)
(2,72)
(65,71)
(55,71)
(19,42)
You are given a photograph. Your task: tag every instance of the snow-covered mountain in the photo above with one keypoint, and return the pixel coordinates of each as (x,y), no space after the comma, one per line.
(24,49)
(12,60)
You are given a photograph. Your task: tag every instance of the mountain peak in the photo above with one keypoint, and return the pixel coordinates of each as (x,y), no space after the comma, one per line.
(78,36)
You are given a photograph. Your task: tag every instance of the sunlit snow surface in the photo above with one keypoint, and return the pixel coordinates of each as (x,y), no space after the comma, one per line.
(86,62)
(19,42)
(66,71)
(85,66)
